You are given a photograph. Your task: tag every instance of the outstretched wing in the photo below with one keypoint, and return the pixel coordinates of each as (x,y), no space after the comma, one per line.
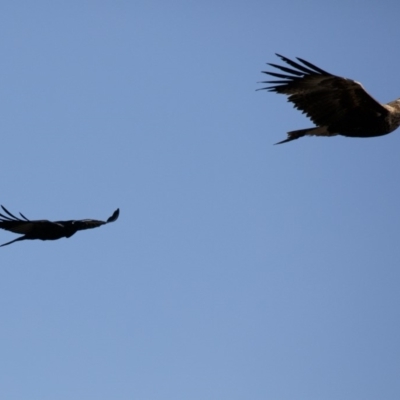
(339,103)
(92,223)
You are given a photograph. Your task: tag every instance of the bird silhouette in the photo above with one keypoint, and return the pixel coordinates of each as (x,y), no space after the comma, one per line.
(47,230)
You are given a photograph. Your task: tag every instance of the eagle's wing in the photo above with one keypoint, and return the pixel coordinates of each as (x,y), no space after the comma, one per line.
(339,103)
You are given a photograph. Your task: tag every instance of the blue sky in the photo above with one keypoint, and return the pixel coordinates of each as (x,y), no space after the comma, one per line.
(237,269)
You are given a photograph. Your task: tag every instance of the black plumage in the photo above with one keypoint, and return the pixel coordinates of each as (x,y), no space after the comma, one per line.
(338,106)
(47,230)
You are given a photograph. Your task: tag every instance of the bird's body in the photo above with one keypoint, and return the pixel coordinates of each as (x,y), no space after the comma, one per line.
(338,106)
(47,230)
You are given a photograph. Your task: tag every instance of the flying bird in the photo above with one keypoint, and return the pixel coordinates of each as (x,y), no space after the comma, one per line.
(47,230)
(336,105)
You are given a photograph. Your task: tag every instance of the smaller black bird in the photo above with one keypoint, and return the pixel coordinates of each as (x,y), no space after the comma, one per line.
(47,230)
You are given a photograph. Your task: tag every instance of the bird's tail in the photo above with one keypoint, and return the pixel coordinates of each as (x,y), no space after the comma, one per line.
(316,131)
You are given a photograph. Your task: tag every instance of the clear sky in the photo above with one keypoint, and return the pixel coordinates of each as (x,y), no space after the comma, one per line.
(238,269)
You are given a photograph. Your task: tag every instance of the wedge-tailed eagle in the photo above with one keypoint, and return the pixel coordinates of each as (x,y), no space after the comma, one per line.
(336,105)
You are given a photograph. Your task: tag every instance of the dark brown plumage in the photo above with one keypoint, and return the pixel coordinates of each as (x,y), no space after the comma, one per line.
(338,106)
(47,230)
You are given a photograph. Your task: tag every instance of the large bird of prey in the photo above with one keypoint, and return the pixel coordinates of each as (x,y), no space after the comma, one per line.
(336,105)
(47,230)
